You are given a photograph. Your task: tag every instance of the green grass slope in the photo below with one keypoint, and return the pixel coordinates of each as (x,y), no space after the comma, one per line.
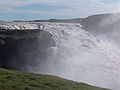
(13,80)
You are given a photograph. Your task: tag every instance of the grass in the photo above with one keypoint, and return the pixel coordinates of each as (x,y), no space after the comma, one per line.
(13,80)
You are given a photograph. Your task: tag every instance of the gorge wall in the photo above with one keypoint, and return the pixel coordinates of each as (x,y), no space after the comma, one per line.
(20,48)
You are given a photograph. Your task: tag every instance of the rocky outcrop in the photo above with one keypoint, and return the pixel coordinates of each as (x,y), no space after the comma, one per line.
(19,48)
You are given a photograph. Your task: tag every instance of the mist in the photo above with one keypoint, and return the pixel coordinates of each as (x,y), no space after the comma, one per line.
(90,56)
(81,56)
(86,52)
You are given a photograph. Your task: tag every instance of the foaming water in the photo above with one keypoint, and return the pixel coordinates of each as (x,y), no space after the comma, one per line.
(75,53)
(81,57)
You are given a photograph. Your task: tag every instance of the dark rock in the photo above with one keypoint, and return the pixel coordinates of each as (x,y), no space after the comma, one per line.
(21,48)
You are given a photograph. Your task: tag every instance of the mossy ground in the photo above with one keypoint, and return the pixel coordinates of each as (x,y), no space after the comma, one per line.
(13,80)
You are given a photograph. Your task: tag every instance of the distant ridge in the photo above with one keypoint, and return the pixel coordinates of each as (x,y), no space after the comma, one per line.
(77,20)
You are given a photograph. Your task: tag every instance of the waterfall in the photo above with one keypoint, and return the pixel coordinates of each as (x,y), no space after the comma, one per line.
(76,55)
(81,57)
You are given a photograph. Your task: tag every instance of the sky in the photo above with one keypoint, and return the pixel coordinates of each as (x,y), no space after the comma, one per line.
(49,9)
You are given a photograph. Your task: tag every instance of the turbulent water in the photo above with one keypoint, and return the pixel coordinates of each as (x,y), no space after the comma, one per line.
(80,56)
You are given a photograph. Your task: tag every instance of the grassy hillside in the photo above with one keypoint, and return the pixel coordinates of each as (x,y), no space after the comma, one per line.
(13,80)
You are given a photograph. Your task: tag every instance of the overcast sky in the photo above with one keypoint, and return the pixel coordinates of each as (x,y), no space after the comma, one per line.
(47,9)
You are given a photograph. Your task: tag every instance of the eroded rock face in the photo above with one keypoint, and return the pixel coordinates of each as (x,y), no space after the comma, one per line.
(19,49)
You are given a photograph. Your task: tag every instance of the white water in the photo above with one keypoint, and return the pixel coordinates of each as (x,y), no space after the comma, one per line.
(81,57)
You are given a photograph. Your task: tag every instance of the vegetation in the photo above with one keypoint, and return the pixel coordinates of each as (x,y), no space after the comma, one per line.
(13,80)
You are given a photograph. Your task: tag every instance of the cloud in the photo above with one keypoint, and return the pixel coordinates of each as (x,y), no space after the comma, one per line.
(5,9)
(75,8)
